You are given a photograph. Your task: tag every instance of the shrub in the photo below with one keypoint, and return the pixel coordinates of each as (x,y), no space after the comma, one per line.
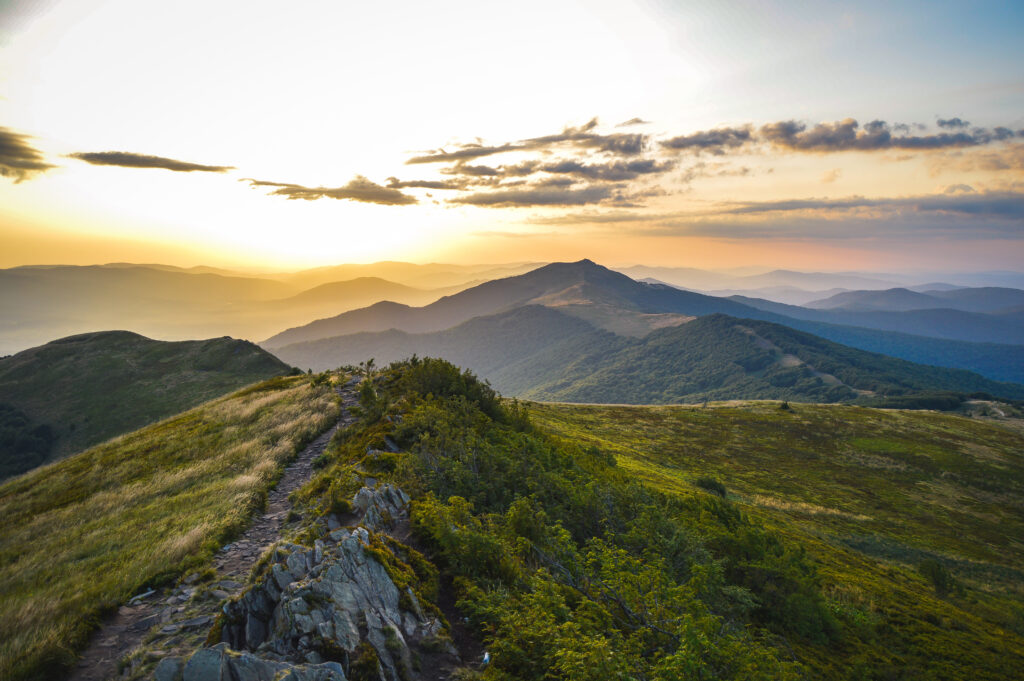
(942,580)
(711,485)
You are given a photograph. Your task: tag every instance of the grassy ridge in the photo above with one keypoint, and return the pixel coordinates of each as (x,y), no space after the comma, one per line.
(872,495)
(84,534)
(95,386)
(719,357)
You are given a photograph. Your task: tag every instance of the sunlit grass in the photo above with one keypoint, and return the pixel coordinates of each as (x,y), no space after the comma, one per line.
(82,535)
(870,494)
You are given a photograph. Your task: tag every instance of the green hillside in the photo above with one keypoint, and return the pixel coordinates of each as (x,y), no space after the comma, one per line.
(721,357)
(80,537)
(570,542)
(89,388)
(913,520)
(543,353)
(589,542)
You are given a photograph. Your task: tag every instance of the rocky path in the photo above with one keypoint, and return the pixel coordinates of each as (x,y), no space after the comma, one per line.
(186,611)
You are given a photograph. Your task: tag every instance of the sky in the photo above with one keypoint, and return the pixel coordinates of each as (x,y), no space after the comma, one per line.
(269,135)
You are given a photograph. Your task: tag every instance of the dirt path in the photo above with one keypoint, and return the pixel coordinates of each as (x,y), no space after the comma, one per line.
(186,611)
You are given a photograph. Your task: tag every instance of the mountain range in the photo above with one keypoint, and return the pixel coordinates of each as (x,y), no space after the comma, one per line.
(556,333)
(40,303)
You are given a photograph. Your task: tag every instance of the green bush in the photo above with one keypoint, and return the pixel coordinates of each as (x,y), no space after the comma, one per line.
(940,577)
(711,485)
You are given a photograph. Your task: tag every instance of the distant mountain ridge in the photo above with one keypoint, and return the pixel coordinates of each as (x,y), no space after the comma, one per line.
(982,300)
(612,302)
(582,283)
(542,353)
(39,303)
(91,387)
(944,322)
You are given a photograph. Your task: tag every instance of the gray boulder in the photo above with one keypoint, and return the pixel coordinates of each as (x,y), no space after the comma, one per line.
(327,602)
(220,663)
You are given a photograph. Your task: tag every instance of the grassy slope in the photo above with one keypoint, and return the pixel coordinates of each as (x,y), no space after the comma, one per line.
(91,387)
(870,494)
(717,357)
(84,534)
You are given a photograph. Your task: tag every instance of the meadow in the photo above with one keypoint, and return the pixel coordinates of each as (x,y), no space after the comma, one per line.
(83,535)
(914,519)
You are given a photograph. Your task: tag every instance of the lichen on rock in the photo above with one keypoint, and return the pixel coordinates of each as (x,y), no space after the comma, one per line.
(319,612)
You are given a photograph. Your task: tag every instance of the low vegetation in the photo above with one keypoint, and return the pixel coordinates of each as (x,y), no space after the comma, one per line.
(574,542)
(912,519)
(84,534)
(744,542)
(720,357)
(23,444)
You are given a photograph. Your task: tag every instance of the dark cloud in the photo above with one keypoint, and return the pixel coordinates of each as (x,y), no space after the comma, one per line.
(126,159)
(714,141)
(359,189)
(581,137)
(538,196)
(473,171)
(614,171)
(611,171)
(632,121)
(847,135)
(953,123)
(19,160)
(584,137)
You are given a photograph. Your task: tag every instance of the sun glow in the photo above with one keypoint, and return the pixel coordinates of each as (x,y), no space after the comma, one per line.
(318,97)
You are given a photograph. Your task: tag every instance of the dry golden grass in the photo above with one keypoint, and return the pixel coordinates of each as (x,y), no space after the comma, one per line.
(84,534)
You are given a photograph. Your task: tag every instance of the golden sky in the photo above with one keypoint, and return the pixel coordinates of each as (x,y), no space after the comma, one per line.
(706,134)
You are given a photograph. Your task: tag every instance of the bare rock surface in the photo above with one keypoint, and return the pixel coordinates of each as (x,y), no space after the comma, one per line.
(318,612)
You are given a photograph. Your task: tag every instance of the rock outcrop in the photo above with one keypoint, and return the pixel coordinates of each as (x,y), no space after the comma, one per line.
(327,612)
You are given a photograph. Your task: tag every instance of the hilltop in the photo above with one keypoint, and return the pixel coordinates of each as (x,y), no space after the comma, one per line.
(582,289)
(84,389)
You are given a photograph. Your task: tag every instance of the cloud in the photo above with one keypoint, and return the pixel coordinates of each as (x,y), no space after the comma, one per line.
(846,135)
(463,153)
(395,183)
(581,137)
(831,176)
(614,171)
(1009,158)
(991,204)
(953,123)
(474,171)
(584,137)
(538,196)
(611,171)
(704,169)
(19,160)
(126,159)
(714,141)
(359,189)
(960,214)
(632,121)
